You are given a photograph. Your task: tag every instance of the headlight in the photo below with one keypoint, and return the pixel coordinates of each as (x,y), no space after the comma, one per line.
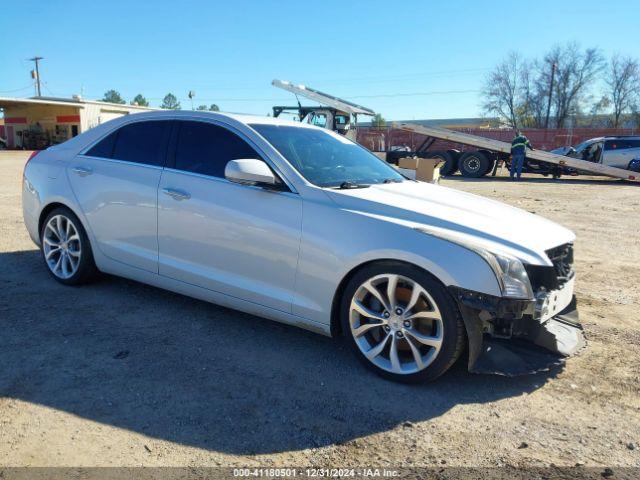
(512,277)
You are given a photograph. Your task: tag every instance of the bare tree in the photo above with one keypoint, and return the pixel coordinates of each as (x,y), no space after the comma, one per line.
(520,91)
(534,95)
(576,72)
(500,91)
(623,80)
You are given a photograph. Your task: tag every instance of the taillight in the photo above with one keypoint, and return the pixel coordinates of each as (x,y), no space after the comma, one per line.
(33,154)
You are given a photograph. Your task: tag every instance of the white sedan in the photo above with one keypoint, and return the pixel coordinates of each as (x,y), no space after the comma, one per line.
(295,223)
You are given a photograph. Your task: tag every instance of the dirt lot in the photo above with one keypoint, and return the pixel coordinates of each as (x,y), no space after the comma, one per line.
(121,374)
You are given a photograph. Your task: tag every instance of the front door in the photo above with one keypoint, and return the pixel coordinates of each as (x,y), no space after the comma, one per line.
(116,185)
(239,240)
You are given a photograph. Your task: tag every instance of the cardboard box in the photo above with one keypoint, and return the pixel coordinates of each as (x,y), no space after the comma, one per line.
(428,170)
(408,162)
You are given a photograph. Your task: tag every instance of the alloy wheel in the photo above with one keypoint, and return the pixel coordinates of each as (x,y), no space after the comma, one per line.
(396,323)
(61,246)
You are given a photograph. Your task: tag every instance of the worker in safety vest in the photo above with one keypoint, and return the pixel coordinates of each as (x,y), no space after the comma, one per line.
(518,146)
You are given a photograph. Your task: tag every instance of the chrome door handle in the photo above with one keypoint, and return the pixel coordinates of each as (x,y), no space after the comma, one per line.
(82,171)
(176,194)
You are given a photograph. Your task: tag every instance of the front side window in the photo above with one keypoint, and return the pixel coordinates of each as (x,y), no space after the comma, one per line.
(206,148)
(325,158)
(593,152)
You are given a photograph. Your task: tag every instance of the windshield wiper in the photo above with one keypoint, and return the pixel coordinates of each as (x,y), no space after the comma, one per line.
(348,185)
(392,180)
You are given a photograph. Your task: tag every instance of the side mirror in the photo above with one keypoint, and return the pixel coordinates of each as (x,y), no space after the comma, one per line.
(249,171)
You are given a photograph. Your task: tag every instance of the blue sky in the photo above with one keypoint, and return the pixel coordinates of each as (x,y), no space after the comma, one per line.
(377,53)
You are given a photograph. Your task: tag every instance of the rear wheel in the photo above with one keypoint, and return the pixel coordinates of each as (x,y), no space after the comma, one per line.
(65,248)
(401,322)
(474,164)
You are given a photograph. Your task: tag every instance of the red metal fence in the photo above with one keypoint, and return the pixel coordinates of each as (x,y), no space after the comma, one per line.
(385,138)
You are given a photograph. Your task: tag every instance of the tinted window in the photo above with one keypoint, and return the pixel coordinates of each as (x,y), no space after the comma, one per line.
(621,144)
(141,142)
(205,148)
(104,148)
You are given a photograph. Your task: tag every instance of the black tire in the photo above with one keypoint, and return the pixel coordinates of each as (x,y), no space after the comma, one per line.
(474,164)
(86,268)
(453,334)
(450,164)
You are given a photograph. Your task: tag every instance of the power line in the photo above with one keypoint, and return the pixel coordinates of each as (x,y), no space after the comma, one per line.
(415,94)
(18,89)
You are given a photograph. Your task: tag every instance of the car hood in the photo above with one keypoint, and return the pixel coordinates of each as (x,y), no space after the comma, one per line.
(458,216)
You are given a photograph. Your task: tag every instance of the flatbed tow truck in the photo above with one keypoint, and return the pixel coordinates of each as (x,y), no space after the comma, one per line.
(495,150)
(341,116)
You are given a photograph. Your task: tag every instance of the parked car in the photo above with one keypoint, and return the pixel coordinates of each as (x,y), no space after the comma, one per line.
(299,224)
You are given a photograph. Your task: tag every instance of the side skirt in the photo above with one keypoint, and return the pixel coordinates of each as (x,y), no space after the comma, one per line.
(211,296)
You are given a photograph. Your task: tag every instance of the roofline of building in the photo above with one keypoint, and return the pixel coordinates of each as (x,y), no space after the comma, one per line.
(71,102)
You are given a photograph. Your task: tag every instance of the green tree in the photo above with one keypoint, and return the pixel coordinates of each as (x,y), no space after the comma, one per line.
(140,101)
(212,108)
(170,102)
(378,121)
(113,96)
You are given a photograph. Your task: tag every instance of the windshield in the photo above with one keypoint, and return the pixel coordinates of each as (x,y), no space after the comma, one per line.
(327,159)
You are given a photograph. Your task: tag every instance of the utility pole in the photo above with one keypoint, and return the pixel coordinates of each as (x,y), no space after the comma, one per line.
(553,73)
(37,75)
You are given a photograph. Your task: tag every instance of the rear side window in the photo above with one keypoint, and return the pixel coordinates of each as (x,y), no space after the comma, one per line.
(206,148)
(141,142)
(622,144)
(104,148)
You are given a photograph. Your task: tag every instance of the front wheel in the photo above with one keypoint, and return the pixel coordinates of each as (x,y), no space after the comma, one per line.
(401,322)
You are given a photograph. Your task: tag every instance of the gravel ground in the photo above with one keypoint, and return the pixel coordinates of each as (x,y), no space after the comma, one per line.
(122,374)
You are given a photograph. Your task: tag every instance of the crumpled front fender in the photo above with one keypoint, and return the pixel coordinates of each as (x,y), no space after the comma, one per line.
(504,340)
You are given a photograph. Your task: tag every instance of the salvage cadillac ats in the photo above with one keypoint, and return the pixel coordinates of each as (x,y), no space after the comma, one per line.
(298,224)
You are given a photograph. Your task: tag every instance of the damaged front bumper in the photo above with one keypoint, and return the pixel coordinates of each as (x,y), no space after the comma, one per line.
(516,337)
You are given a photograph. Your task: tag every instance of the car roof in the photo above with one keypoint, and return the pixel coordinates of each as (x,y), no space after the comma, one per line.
(611,137)
(246,119)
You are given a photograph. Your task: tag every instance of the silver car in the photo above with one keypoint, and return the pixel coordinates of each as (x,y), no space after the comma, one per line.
(619,152)
(298,224)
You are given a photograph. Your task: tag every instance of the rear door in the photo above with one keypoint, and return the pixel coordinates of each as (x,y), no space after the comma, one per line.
(116,185)
(619,152)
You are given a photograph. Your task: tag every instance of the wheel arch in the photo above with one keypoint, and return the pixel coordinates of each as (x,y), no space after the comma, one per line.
(59,203)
